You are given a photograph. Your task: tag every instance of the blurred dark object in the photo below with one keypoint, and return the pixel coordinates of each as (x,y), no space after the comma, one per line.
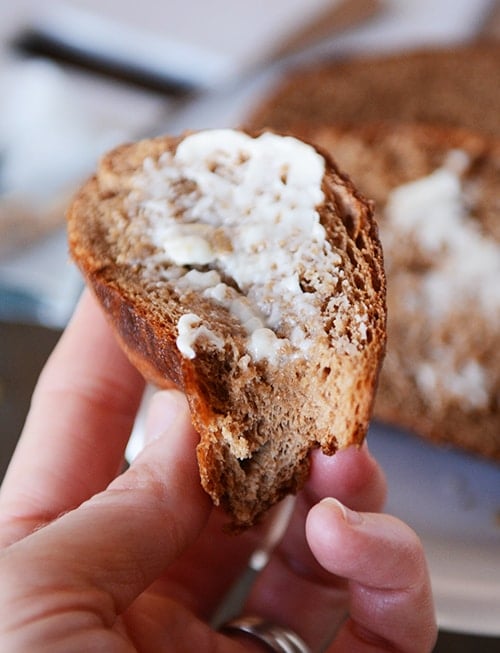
(23,352)
(460,643)
(491,25)
(170,66)
(36,43)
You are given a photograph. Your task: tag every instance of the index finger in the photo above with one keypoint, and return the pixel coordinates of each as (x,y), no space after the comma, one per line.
(81,415)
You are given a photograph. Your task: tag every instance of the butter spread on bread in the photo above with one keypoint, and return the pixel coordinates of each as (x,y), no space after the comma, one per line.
(246,270)
(432,213)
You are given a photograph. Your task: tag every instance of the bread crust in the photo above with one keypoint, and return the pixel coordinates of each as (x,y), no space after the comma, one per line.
(230,409)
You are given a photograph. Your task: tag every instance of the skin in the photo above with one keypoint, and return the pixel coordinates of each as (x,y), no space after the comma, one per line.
(93,559)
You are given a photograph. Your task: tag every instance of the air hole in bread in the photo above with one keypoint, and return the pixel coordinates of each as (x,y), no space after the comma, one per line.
(359,281)
(360,241)
(351,253)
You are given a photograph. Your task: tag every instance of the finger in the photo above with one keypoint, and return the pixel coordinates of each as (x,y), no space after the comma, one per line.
(77,428)
(219,557)
(352,475)
(224,557)
(390,600)
(355,478)
(112,547)
(294,583)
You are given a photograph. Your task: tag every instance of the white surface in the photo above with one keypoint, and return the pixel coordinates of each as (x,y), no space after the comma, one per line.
(452,500)
(204,42)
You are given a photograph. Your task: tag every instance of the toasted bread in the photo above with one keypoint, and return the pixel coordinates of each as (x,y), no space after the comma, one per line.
(275,335)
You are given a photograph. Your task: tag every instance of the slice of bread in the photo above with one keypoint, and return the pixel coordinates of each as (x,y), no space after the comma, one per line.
(441,239)
(247,271)
(457,86)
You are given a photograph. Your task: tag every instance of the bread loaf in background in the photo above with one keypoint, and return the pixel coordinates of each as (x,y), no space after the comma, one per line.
(458,85)
(247,271)
(437,196)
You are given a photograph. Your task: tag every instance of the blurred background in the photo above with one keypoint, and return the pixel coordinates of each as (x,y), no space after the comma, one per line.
(77,77)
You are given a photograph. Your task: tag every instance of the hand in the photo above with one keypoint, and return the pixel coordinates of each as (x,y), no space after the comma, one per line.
(97,560)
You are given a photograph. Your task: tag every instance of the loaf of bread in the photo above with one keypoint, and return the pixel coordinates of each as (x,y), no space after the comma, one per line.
(456,86)
(437,193)
(246,270)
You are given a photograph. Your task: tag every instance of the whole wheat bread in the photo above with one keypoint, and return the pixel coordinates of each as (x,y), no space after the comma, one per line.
(258,418)
(441,374)
(458,85)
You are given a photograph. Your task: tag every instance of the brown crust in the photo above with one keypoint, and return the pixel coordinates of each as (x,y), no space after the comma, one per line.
(227,406)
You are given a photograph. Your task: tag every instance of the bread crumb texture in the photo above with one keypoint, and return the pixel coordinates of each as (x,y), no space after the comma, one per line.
(247,270)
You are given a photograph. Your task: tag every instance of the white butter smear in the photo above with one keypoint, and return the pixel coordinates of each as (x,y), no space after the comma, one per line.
(247,208)
(465,271)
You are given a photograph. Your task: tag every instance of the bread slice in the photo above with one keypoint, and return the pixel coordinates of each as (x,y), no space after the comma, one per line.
(457,86)
(247,271)
(441,239)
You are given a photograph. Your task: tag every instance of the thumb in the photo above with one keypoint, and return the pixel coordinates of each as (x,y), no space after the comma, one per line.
(122,539)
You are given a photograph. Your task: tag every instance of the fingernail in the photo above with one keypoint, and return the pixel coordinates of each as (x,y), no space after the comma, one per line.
(164,409)
(352,517)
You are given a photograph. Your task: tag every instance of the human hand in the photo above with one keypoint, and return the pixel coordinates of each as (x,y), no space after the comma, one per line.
(97,560)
